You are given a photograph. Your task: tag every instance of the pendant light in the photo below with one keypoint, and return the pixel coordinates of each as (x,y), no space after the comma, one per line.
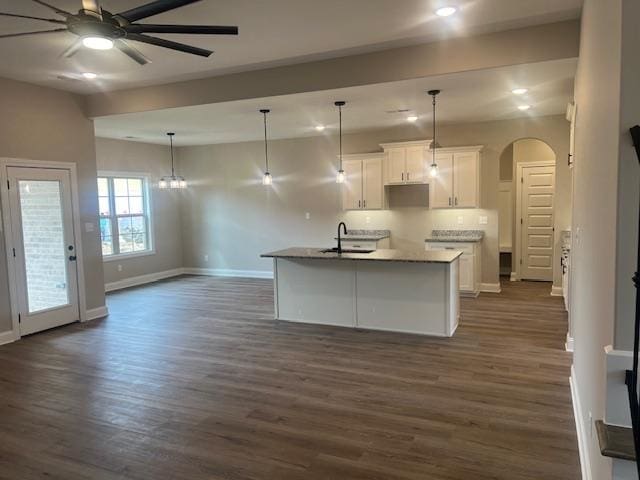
(341,177)
(433,170)
(266,178)
(174,181)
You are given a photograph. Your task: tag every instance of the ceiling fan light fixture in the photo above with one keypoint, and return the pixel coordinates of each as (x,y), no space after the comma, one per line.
(97,43)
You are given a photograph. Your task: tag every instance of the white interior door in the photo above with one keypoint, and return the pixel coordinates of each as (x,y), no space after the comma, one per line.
(441,186)
(352,187)
(372,183)
(537,197)
(43,247)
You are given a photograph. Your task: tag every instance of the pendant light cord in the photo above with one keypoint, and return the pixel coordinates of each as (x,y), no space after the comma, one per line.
(266,151)
(340,116)
(173,173)
(433,147)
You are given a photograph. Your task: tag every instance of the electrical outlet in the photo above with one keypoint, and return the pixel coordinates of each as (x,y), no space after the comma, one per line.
(307,215)
(89,227)
(367,219)
(206,257)
(460,220)
(119,268)
(590,425)
(483,220)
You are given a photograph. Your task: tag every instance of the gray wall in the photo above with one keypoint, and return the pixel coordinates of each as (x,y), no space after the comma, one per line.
(597,94)
(232,218)
(153,160)
(44,124)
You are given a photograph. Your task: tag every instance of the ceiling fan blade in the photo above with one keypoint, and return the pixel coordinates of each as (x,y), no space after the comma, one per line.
(59,11)
(51,20)
(131,52)
(188,29)
(92,7)
(22,34)
(72,49)
(153,8)
(185,29)
(161,42)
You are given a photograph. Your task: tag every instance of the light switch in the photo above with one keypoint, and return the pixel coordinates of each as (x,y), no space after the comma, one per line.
(119,268)
(89,227)
(483,220)
(307,215)
(206,258)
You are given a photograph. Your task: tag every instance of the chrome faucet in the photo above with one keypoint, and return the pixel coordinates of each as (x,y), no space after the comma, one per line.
(344,227)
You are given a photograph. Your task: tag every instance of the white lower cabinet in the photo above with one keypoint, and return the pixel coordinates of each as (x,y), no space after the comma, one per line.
(469,262)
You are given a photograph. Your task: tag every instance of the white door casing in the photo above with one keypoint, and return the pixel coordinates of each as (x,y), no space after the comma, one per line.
(44,247)
(535,229)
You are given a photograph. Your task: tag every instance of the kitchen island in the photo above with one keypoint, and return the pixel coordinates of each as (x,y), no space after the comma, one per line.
(395,290)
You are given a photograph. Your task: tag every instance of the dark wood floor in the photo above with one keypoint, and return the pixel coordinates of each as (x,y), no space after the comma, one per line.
(191,379)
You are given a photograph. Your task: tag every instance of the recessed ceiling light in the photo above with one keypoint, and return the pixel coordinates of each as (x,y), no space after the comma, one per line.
(412,118)
(89,75)
(519,91)
(446,11)
(320,128)
(97,43)
(524,107)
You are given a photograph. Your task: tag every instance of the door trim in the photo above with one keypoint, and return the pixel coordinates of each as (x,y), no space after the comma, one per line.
(517,248)
(8,234)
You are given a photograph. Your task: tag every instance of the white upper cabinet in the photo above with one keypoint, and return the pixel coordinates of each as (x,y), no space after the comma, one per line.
(441,187)
(415,164)
(362,189)
(458,182)
(405,162)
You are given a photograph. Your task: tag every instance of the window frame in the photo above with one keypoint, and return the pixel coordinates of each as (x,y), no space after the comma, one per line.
(113,216)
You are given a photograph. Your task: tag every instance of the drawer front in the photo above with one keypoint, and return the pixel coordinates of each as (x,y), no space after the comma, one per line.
(463,247)
(358,245)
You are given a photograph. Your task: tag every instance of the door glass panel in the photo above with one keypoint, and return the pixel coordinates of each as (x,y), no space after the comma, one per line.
(44,248)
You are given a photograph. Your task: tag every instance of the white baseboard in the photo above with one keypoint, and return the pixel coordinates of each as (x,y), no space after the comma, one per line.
(583,438)
(514,277)
(556,291)
(99,312)
(490,287)
(7,337)
(142,279)
(224,272)
(568,345)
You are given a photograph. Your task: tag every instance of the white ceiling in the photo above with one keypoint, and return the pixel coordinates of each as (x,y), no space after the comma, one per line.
(466,97)
(272,32)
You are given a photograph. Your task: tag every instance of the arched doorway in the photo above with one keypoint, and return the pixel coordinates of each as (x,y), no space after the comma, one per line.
(526,210)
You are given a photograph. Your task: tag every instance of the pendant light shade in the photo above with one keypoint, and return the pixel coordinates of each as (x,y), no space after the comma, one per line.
(340,177)
(433,169)
(267,179)
(174,181)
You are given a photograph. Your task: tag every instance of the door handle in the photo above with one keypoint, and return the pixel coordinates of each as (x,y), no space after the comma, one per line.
(72,258)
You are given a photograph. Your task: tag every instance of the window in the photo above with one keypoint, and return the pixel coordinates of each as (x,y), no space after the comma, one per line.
(124,215)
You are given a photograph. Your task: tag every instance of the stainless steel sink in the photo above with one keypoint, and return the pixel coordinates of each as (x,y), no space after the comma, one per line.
(346,250)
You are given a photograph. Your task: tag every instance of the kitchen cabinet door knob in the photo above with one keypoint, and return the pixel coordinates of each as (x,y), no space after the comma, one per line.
(408,176)
(403,176)
(449,201)
(358,203)
(364,204)
(456,201)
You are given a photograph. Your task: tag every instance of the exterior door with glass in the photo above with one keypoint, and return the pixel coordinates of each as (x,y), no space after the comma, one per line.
(43,247)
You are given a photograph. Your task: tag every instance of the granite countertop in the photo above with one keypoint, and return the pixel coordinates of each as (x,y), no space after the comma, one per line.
(455,236)
(366,235)
(383,255)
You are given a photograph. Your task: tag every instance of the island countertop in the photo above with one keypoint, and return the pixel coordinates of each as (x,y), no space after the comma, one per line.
(382,255)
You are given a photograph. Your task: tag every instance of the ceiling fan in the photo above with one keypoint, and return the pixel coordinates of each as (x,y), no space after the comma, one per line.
(99,29)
